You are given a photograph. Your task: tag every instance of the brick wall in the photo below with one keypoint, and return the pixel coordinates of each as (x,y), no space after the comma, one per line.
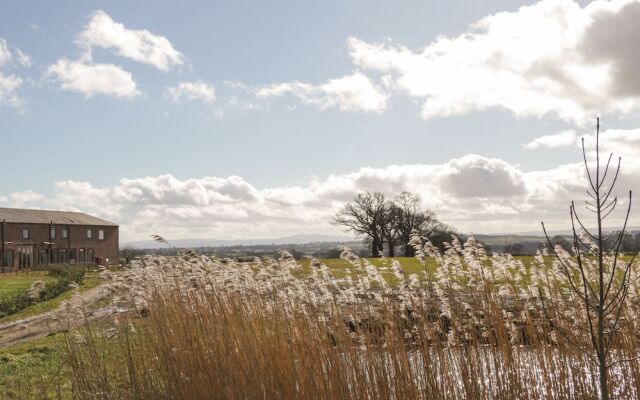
(107,250)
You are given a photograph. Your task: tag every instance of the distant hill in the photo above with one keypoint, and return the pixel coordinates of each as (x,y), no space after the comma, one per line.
(529,242)
(194,243)
(509,239)
(630,229)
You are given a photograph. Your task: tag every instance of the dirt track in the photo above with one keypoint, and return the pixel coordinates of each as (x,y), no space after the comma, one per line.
(56,320)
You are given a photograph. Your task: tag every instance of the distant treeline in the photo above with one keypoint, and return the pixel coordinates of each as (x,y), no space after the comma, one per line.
(247,252)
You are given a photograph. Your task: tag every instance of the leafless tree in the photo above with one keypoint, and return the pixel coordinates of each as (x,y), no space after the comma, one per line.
(365,216)
(380,221)
(411,216)
(595,272)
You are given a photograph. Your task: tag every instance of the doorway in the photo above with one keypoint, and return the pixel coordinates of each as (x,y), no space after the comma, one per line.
(25,257)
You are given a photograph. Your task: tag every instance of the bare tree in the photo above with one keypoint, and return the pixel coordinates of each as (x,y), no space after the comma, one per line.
(392,221)
(381,221)
(411,216)
(365,216)
(595,272)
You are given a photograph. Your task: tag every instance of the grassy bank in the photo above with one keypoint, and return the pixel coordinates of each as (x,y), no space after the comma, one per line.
(35,370)
(12,283)
(91,281)
(24,290)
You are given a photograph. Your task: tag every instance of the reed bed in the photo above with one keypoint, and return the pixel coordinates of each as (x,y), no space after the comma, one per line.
(478,328)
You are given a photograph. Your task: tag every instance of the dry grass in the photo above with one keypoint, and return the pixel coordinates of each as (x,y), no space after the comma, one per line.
(214,329)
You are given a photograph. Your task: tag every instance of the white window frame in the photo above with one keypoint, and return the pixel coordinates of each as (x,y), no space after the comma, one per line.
(100,234)
(89,233)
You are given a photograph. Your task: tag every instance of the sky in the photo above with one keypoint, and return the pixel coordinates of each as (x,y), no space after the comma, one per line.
(251,119)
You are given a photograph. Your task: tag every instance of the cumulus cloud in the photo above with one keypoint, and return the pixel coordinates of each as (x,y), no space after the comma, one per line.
(92,79)
(473,193)
(560,139)
(552,57)
(476,176)
(20,199)
(199,91)
(139,45)
(353,92)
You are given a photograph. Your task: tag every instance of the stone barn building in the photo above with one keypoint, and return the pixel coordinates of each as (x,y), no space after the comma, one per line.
(32,239)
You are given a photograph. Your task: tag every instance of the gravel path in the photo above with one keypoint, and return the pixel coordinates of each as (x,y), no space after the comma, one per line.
(56,320)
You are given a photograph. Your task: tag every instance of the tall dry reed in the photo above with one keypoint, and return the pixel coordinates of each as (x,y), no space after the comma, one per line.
(206,328)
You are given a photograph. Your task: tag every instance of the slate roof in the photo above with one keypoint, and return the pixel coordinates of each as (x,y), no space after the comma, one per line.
(28,216)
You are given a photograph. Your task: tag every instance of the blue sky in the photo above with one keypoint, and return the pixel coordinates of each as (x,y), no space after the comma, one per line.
(233,119)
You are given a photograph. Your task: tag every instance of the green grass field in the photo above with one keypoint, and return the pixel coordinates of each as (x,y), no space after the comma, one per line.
(340,268)
(35,369)
(13,283)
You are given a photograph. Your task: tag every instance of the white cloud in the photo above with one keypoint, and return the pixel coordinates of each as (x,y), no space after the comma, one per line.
(139,45)
(354,92)
(22,58)
(20,199)
(473,193)
(560,139)
(8,53)
(199,90)
(552,57)
(5,54)
(476,176)
(93,79)
(10,84)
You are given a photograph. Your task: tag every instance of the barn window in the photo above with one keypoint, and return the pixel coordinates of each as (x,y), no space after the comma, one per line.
(25,233)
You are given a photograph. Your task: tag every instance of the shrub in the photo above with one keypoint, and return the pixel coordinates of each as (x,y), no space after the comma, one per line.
(68,276)
(15,303)
(74,273)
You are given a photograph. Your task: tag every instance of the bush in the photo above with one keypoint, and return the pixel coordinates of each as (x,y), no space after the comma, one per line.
(73,273)
(66,274)
(15,303)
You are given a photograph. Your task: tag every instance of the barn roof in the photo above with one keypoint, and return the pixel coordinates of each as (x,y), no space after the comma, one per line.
(28,216)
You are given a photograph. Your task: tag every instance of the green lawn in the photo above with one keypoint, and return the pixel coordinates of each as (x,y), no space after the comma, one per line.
(13,283)
(340,268)
(35,369)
